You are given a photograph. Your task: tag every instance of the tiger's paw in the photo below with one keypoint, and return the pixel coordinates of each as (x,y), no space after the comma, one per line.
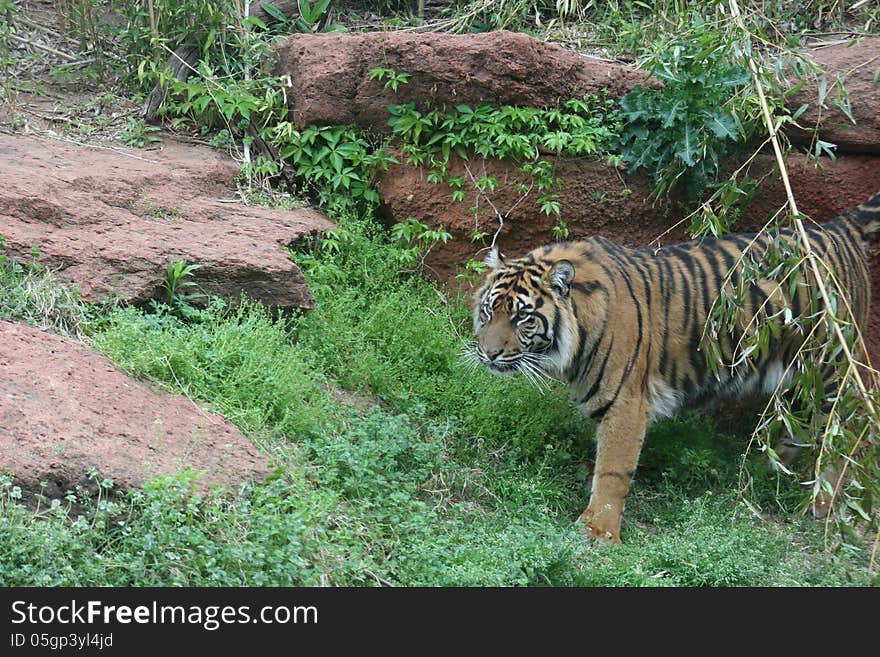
(594,529)
(825,498)
(822,505)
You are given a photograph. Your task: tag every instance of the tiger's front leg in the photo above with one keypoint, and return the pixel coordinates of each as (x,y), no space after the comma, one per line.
(619,441)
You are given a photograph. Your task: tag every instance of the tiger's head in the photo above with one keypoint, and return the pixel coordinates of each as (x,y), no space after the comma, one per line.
(523,320)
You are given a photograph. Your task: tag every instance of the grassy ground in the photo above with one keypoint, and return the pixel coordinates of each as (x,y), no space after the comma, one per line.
(397,464)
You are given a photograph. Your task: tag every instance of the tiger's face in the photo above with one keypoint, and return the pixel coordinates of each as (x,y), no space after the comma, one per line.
(522,319)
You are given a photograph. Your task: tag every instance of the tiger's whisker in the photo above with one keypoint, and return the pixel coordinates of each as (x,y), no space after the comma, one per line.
(535,376)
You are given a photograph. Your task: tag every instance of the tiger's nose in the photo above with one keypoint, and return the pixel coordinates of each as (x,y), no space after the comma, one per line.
(492,354)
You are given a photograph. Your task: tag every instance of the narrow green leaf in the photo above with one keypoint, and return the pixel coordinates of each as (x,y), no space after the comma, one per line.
(688,147)
(823,89)
(273,11)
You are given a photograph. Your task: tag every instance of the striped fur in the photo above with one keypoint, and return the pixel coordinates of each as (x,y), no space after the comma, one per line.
(623,328)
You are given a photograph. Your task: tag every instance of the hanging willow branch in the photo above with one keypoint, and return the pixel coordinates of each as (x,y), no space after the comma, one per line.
(797,222)
(830,345)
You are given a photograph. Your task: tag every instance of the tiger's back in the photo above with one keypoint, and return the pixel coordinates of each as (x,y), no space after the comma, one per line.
(665,298)
(624,327)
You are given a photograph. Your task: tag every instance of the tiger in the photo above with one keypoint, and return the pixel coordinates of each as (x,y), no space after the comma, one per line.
(623,327)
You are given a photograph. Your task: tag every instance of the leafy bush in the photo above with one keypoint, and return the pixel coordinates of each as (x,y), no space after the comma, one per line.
(136,133)
(685,131)
(333,161)
(312,17)
(581,126)
(166,535)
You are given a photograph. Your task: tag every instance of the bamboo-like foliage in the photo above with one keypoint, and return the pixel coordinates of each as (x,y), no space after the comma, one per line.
(839,428)
(78,23)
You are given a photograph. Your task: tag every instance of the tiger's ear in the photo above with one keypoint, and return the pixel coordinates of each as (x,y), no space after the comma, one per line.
(560,276)
(494,259)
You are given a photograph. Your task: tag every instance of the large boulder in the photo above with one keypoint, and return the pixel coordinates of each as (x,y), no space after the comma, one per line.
(111,220)
(330,82)
(849,74)
(66,412)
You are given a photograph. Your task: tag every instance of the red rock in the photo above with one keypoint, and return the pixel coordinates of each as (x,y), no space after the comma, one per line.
(111,220)
(857,67)
(65,409)
(821,191)
(330,73)
(594,199)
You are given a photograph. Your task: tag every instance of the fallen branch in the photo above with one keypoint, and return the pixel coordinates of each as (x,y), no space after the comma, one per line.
(40,46)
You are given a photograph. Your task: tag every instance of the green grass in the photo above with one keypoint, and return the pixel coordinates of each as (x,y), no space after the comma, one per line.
(397,464)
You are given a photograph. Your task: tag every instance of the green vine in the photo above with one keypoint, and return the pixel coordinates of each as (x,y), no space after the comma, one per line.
(529,137)
(526,136)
